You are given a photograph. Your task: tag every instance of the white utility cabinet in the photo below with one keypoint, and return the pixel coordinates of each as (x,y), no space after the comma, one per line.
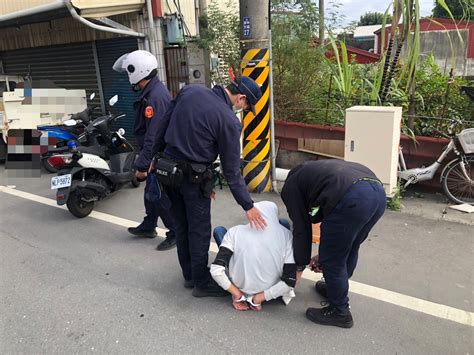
(372,139)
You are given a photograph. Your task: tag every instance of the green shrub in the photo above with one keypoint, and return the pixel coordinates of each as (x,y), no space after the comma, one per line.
(310,88)
(440,102)
(395,202)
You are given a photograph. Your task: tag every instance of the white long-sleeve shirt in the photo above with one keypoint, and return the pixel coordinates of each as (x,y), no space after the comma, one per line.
(258,257)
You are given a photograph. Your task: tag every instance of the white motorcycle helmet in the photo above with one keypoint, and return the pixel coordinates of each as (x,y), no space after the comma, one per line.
(138,65)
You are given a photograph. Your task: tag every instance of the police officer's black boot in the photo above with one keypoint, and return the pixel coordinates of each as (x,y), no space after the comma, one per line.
(321,288)
(212,289)
(140,232)
(330,315)
(188,284)
(168,243)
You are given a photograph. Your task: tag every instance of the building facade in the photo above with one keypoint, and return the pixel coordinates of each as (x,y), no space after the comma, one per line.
(73,44)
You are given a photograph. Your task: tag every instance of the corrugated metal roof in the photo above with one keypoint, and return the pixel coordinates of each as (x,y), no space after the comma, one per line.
(366,31)
(7,7)
(105,8)
(88,8)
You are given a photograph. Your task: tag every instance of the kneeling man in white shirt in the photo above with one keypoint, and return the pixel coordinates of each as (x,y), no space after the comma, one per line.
(256,265)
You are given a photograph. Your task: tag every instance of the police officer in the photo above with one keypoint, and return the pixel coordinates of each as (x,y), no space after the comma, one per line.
(199,125)
(348,199)
(150,106)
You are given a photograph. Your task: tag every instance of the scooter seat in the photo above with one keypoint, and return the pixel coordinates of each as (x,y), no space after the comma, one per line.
(94,150)
(72,129)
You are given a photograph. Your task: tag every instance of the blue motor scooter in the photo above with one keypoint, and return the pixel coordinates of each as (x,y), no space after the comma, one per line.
(70,130)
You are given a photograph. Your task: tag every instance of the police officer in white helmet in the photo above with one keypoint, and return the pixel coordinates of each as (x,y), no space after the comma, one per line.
(150,106)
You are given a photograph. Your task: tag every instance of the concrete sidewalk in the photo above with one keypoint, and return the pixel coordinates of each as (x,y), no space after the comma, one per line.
(433,206)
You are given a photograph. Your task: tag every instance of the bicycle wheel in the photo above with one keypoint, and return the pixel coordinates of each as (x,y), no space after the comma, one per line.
(455,185)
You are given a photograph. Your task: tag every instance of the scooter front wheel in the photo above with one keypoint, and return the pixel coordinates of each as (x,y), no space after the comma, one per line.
(77,206)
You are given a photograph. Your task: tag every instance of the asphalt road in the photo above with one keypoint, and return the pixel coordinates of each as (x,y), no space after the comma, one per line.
(80,286)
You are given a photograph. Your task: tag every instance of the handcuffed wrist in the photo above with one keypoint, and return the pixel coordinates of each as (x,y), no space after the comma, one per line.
(250,301)
(241,299)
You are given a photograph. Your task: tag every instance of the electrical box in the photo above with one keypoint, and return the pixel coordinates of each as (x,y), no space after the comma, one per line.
(174,29)
(198,64)
(372,139)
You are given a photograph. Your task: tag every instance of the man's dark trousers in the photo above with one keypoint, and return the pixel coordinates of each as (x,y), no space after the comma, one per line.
(154,210)
(191,212)
(342,232)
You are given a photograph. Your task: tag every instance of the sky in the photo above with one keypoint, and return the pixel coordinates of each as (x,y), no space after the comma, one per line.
(353,9)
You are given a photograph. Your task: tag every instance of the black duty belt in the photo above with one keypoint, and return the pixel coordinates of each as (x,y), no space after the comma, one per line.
(172,171)
(368,179)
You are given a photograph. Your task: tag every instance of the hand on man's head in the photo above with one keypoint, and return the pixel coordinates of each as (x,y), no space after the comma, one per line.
(255,218)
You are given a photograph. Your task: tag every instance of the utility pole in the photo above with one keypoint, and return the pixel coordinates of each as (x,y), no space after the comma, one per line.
(255,54)
(321,22)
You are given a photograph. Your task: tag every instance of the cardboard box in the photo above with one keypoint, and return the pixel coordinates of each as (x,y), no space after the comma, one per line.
(316,232)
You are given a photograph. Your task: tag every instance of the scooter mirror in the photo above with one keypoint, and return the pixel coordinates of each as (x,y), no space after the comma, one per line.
(113,100)
(70,123)
(92,96)
(121,131)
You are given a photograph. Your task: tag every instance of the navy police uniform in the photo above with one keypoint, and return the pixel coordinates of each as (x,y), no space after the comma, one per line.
(149,109)
(349,199)
(200,125)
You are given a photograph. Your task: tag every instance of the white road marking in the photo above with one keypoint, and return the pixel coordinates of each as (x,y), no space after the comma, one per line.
(398,299)
(94,214)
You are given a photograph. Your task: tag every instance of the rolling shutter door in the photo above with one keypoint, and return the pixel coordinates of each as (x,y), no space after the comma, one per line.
(67,66)
(113,83)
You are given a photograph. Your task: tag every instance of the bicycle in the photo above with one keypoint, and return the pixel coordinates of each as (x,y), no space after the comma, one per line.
(457,177)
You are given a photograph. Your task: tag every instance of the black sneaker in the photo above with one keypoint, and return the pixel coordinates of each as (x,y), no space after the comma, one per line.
(211,290)
(321,288)
(188,283)
(330,315)
(168,243)
(142,233)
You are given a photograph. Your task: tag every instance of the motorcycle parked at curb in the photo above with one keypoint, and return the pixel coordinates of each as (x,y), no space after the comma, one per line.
(85,177)
(70,130)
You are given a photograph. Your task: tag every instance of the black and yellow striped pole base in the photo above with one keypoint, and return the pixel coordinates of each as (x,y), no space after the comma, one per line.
(256,129)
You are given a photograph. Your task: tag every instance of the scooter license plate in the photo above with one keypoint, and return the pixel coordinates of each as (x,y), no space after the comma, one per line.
(61,181)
